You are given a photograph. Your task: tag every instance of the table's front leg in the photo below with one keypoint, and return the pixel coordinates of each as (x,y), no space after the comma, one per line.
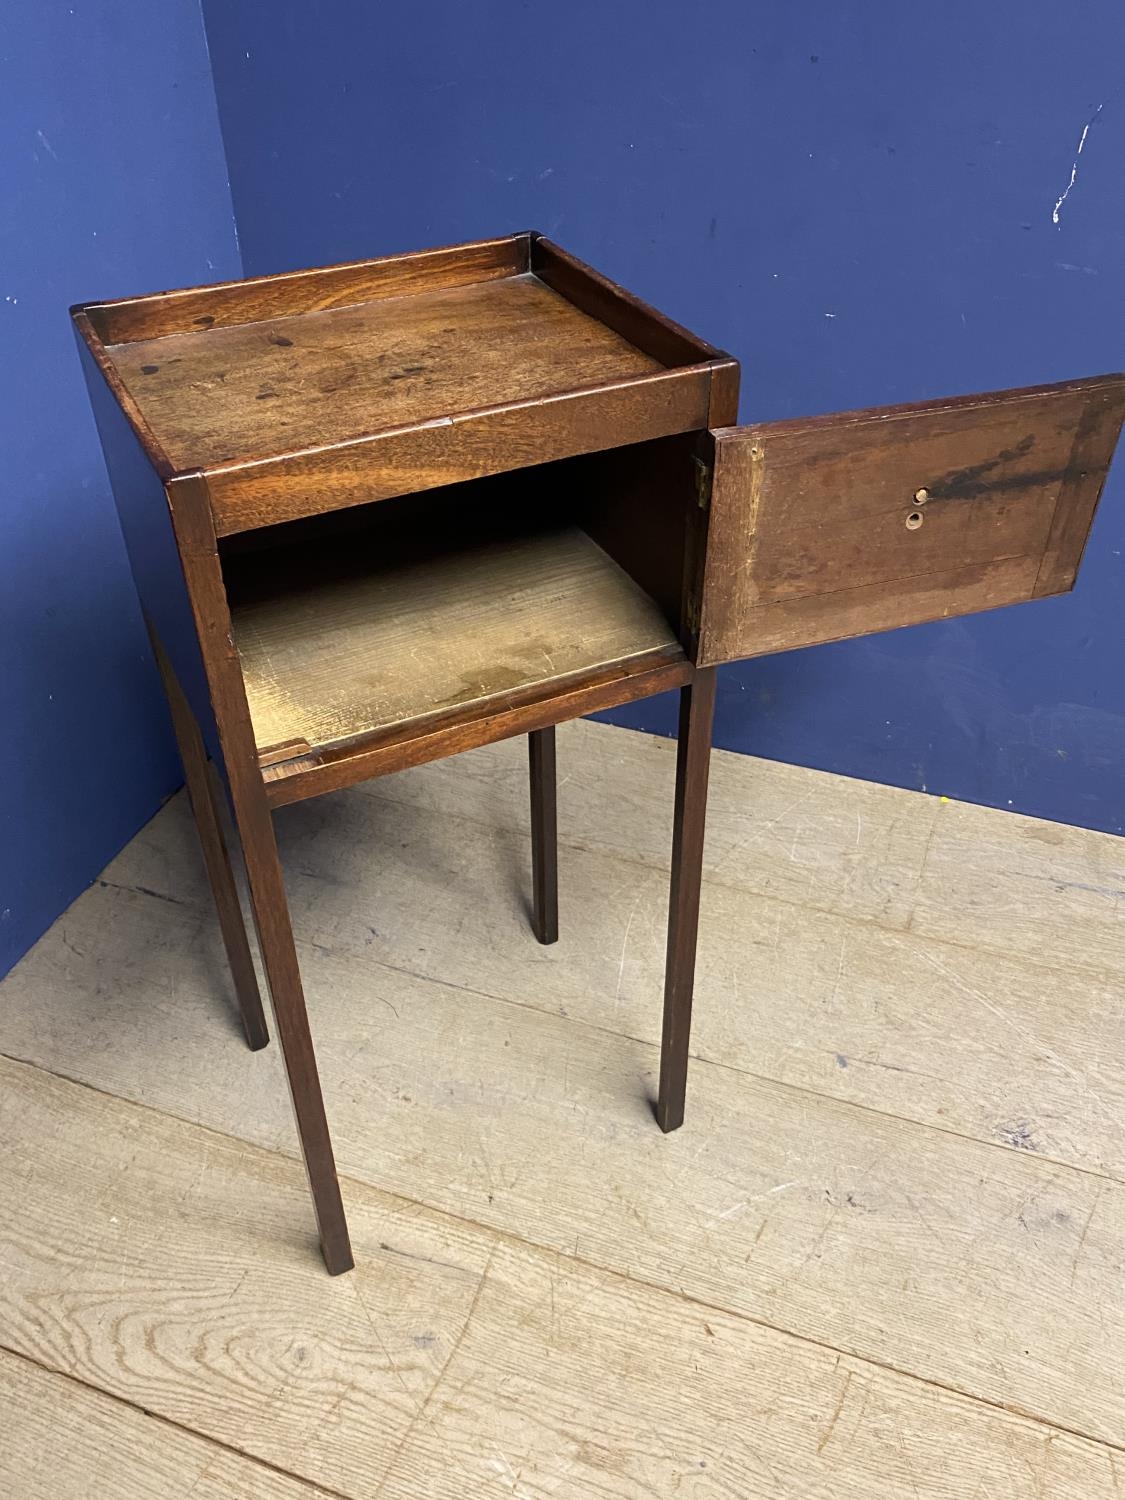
(693,759)
(279,958)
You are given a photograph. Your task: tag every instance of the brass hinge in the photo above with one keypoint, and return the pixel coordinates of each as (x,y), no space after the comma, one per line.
(703,476)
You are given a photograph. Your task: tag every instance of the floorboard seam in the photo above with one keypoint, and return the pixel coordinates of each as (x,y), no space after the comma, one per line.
(311,1485)
(440,982)
(904,929)
(728,1067)
(509,1237)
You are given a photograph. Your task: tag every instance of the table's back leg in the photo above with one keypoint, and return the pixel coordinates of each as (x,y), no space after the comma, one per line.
(544,835)
(693,759)
(208,823)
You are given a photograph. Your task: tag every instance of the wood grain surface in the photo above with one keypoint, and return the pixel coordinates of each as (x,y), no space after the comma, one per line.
(823,963)
(253,299)
(462,446)
(298,777)
(838,526)
(283,384)
(365,646)
(456,1361)
(644,326)
(465,1064)
(882,1257)
(66,1441)
(905,1150)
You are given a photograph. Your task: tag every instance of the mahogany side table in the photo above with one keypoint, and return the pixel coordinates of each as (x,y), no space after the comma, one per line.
(378,513)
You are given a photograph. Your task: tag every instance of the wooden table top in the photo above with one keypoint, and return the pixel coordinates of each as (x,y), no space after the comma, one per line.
(282,384)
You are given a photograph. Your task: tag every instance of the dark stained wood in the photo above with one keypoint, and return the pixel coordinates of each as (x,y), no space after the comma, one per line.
(303,393)
(291,293)
(146,525)
(726,378)
(191,515)
(286,750)
(722,412)
(208,823)
(876,607)
(173,553)
(693,761)
(280,385)
(1087,469)
(579,386)
(544,835)
(693,764)
(255,427)
(102,375)
(460,447)
(842,525)
(309,776)
(636,502)
(612,305)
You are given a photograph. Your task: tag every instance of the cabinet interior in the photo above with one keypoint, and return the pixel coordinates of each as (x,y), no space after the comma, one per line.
(366,620)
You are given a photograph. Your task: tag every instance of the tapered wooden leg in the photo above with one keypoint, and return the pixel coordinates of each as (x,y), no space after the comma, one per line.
(279,957)
(193,519)
(205,810)
(544,835)
(697,707)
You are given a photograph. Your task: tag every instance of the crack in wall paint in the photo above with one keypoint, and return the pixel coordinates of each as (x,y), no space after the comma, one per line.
(1074,166)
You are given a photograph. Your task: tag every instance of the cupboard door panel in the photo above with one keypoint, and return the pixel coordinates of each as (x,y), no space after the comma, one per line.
(843,525)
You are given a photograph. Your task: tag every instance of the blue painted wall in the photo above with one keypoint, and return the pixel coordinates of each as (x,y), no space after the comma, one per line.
(855,200)
(112,181)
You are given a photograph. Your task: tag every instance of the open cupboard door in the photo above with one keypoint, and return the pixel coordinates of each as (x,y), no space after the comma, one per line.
(837,526)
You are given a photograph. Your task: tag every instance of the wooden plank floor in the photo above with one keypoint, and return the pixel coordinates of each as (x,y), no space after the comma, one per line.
(883,1258)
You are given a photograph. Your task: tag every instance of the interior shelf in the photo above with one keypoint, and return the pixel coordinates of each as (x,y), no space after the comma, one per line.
(346,641)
